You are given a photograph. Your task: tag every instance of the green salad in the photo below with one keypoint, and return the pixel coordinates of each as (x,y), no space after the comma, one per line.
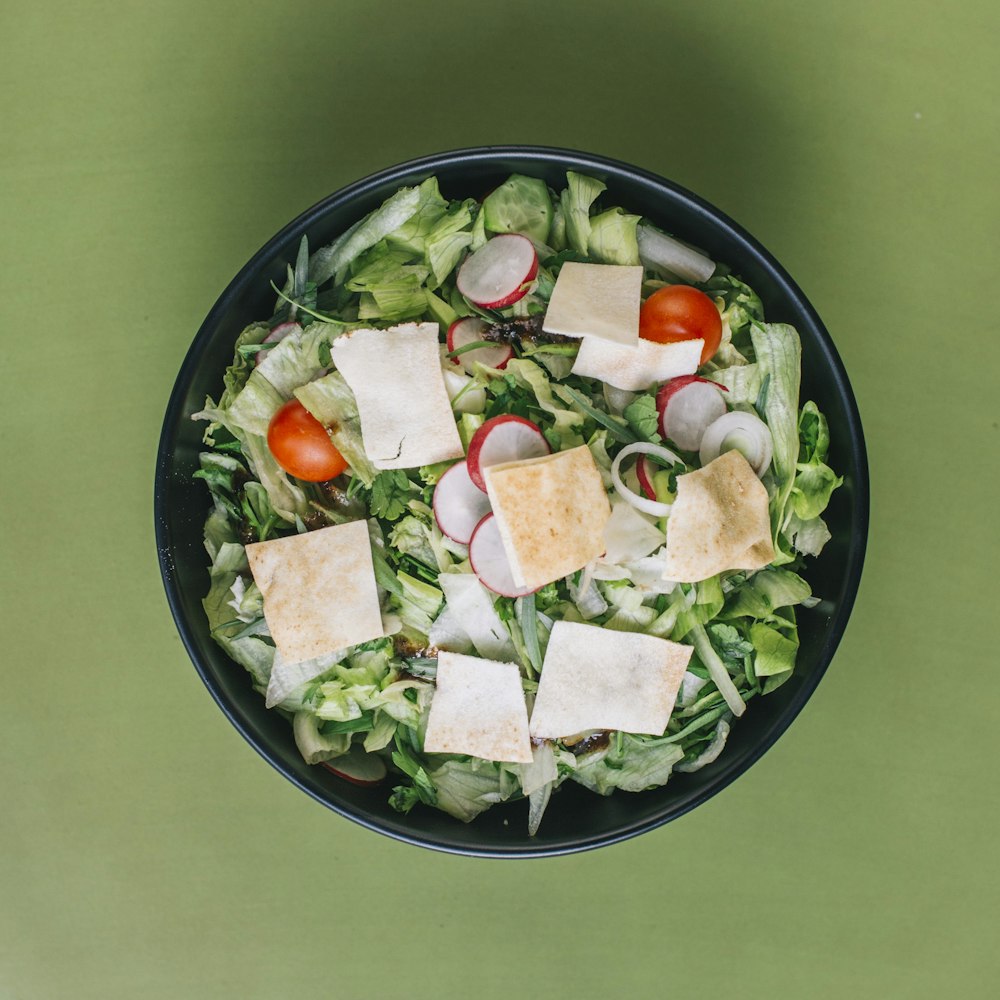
(605,433)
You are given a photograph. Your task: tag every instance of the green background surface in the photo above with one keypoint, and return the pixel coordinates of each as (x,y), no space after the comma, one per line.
(147,150)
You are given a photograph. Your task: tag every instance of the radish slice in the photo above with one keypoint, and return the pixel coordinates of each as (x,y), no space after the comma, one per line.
(687,405)
(654,507)
(644,473)
(743,431)
(498,273)
(468,331)
(281,331)
(489,560)
(358,767)
(459,505)
(506,438)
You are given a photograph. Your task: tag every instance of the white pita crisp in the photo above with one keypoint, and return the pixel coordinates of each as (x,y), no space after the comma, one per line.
(319,590)
(479,709)
(719,521)
(551,512)
(596,678)
(636,368)
(396,378)
(597,300)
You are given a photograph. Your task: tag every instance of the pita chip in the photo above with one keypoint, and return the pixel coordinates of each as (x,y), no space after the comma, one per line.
(319,590)
(551,512)
(397,380)
(595,678)
(636,368)
(718,522)
(478,708)
(600,301)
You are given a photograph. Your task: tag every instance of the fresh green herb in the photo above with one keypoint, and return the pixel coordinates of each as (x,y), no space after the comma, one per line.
(389,494)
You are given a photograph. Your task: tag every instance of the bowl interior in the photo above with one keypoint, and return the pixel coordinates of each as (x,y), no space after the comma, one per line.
(576,819)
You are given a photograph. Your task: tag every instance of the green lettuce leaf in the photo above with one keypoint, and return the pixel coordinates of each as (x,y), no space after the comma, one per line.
(612,238)
(580,193)
(520,205)
(332,261)
(815,481)
(779,356)
(631,764)
(332,403)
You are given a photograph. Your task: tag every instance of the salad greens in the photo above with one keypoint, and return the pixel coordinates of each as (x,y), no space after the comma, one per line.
(399,264)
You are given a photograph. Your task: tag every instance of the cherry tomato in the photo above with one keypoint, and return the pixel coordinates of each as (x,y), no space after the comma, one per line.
(680,312)
(301,445)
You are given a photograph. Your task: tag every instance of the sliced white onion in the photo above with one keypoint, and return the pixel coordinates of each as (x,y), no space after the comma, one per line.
(654,507)
(743,431)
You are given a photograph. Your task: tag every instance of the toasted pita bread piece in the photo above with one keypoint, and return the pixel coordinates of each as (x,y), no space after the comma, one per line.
(551,512)
(319,590)
(397,380)
(636,368)
(597,300)
(478,708)
(718,522)
(596,678)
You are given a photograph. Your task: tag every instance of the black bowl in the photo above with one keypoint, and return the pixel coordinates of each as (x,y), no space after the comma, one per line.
(576,819)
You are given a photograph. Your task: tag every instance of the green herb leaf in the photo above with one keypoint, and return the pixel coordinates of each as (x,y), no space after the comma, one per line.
(389,494)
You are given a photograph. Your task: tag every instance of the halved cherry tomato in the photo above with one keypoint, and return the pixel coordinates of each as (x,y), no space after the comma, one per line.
(301,445)
(680,312)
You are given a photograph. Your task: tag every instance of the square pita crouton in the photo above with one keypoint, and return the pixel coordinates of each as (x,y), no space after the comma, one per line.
(551,512)
(638,367)
(479,709)
(319,590)
(596,678)
(396,377)
(596,300)
(719,521)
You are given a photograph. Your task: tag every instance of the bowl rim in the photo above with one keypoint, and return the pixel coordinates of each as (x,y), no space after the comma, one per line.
(567,159)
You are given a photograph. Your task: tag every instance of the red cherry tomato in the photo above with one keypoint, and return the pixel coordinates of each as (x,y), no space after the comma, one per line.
(301,445)
(680,312)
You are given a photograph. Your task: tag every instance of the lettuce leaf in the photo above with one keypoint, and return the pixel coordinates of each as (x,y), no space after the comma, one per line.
(332,403)
(520,205)
(612,238)
(332,261)
(631,763)
(580,193)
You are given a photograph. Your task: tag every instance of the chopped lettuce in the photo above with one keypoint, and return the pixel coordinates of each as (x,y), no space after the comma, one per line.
(520,205)
(612,238)
(576,200)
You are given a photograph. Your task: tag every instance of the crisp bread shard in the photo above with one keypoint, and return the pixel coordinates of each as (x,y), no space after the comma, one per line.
(596,678)
(319,590)
(718,522)
(478,708)
(397,380)
(551,512)
(600,301)
(638,367)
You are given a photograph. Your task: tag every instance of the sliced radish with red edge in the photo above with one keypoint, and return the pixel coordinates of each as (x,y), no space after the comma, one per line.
(358,767)
(498,273)
(742,431)
(489,560)
(687,405)
(644,473)
(459,505)
(469,330)
(645,504)
(506,438)
(281,331)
